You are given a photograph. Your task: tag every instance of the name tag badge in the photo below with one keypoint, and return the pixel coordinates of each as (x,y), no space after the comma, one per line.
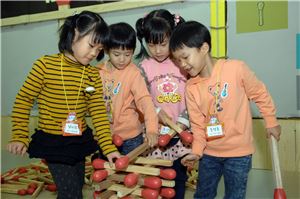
(214,129)
(164,130)
(71,126)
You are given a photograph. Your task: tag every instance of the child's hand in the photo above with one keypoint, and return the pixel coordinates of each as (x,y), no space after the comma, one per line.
(112,156)
(152,139)
(190,160)
(161,117)
(275,132)
(17,148)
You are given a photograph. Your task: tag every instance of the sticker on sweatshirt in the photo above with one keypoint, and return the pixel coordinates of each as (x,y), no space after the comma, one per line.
(224,92)
(109,89)
(222,95)
(167,89)
(108,85)
(117,89)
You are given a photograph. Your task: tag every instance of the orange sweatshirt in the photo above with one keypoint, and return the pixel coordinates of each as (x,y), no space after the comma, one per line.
(238,86)
(126,95)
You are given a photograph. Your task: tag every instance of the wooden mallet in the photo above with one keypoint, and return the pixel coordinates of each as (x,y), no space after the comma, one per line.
(279,192)
(185,136)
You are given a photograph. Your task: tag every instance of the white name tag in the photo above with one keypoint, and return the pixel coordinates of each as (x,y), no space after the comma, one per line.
(164,130)
(214,130)
(72,128)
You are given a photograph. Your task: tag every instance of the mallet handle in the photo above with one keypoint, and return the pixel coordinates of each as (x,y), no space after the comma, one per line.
(275,160)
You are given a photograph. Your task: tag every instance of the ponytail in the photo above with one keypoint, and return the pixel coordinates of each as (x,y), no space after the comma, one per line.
(139,26)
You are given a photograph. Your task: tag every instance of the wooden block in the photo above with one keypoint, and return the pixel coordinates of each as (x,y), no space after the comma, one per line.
(168,183)
(153,162)
(14,186)
(122,190)
(135,169)
(38,190)
(106,194)
(102,185)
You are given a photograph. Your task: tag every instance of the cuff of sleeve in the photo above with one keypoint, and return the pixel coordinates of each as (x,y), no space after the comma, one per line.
(197,149)
(111,150)
(270,121)
(184,121)
(157,110)
(23,140)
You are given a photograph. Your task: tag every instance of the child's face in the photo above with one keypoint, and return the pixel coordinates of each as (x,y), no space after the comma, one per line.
(159,52)
(84,49)
(120,58)
(192,60)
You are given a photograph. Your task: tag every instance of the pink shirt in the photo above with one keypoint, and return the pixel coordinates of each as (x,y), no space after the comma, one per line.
(238,85)
(167,85)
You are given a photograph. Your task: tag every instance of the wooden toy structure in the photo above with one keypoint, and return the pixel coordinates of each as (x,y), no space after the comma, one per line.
(133,177)
(32,179)
(137,177)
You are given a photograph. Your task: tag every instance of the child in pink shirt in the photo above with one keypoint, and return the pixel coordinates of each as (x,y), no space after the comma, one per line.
(217,98)
(125,92)
(166,83)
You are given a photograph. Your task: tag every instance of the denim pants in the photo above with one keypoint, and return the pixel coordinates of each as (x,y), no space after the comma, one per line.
(130,144)
(234,170)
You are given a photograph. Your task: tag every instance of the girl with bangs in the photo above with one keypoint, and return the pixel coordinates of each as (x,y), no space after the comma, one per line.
(166,83)
(66,87)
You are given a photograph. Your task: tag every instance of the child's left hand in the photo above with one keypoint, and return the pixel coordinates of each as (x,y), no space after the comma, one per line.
(152,139)
(275,132)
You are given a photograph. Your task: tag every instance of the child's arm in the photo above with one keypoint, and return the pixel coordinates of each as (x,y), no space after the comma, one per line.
(257,92)
(145,104)
(197,121)
(143,73)
(22,106)
(100,120)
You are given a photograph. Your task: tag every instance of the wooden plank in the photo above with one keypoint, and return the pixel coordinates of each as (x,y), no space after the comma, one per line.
(101,8)
(153,162)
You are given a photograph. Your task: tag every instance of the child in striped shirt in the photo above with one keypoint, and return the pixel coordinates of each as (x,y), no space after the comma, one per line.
(66,87)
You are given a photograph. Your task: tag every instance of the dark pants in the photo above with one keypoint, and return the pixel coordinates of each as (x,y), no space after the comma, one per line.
(180,180)
(69,179)
(235,171)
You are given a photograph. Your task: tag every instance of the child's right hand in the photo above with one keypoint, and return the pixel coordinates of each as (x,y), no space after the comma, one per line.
(17,148)
(275,131)
(190,160)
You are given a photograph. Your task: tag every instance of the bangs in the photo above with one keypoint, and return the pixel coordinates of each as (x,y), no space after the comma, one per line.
(125,44)
(100,34)
(156,31)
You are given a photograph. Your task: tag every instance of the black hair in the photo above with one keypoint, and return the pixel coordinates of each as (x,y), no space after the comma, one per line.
(154,27)
(191,34)
(121,35)
(85,23)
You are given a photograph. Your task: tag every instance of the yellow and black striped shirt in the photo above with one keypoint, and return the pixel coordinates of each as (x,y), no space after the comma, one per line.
(45,84)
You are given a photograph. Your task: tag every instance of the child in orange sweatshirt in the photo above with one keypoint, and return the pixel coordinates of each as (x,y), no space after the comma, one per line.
(217,98)
(125,92)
